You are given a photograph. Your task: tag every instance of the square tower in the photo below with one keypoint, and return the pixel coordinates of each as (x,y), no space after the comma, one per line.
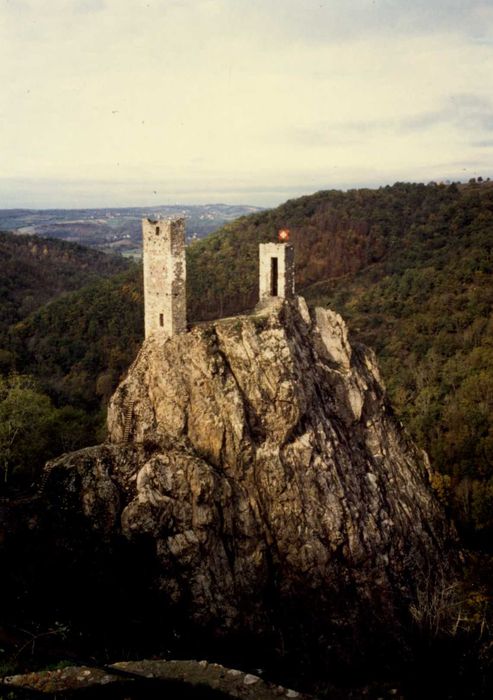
(276,270)
(165,301)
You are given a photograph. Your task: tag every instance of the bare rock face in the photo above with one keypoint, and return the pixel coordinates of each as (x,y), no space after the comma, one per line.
(260,458)
(178,679)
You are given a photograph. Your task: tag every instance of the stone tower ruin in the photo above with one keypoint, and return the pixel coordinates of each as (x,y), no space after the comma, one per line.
(276,270)
(165,303)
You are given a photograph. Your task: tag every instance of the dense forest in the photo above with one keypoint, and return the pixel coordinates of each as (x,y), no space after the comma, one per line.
(36,423)
(410,269)
(36,270)
(408,266)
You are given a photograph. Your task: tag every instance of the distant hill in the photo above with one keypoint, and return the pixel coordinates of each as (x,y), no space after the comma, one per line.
(36,270)
(35,426)
(336,235)
(409,267)
(80,344)
(117,229)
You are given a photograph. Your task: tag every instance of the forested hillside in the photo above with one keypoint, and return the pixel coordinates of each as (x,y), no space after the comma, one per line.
(408,266)
(426,308)
(36,422)
(80,345)
(35,270)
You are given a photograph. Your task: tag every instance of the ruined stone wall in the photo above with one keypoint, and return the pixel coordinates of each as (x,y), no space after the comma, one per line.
(164,277)
(285,270)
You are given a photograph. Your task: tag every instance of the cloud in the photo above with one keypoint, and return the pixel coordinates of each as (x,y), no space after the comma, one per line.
(342,20)
(84,6)
(485,143)
(464,112)
(260,94)
(292,22)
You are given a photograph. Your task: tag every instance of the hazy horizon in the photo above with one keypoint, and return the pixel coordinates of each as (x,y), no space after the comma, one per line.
(266,198)
(112,103)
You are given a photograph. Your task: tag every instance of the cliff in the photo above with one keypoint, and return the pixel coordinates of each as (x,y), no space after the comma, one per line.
(259,459)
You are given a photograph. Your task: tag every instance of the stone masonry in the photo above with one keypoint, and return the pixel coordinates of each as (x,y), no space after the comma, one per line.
(276,270)
(164,277)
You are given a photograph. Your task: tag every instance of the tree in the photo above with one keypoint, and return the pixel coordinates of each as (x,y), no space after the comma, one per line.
(32,430)
(26,418)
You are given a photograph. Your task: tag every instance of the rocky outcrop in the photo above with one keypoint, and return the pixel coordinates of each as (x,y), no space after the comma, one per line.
(259,457)
(178,679)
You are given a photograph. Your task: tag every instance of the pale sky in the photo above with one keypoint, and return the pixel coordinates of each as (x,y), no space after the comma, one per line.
(140,102)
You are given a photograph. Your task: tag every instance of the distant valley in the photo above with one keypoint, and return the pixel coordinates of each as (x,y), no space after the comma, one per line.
(116,230)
